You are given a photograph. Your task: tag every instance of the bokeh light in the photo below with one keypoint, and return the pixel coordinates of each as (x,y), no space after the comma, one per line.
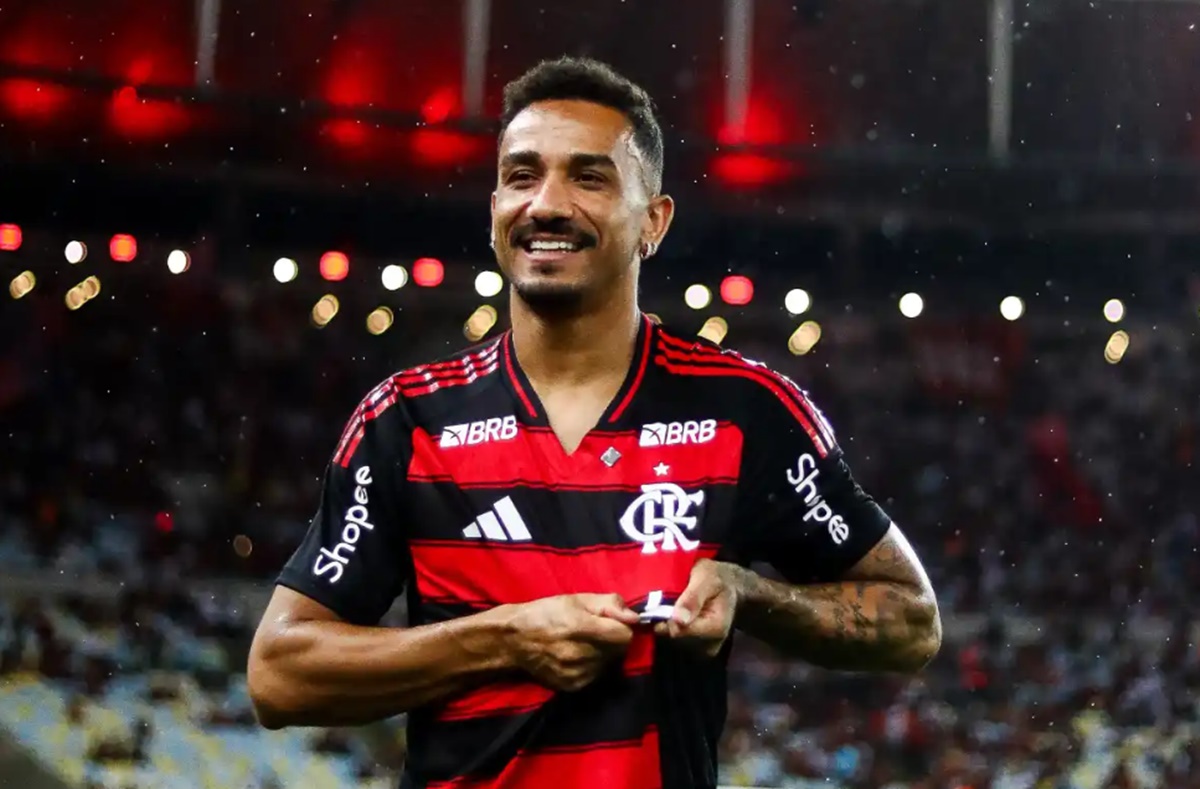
(797,301)
(285,270)
(1012,308)
(488,283)
(697,296)
(911,305)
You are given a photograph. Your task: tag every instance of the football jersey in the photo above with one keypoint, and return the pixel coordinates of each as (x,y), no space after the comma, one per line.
(449,486)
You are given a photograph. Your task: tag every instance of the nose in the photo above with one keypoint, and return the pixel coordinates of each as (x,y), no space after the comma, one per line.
(551,201)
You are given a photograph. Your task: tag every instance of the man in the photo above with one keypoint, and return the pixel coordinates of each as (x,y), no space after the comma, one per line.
(544,498)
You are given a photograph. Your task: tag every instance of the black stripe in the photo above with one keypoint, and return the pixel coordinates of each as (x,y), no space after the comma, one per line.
(615,708)
(593,515)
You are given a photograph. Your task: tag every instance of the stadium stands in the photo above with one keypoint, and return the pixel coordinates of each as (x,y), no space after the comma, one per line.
(1052,496)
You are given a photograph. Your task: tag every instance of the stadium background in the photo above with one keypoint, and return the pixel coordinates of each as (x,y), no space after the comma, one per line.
(221,222)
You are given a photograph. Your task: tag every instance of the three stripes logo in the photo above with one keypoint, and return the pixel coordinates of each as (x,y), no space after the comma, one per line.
(502,523)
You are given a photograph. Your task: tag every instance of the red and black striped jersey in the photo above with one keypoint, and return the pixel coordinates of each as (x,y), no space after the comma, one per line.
(448,485)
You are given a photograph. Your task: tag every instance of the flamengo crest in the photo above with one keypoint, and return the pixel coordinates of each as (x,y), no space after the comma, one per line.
(659,517)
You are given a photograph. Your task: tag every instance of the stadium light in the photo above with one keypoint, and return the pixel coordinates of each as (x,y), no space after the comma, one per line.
(334,266)
(10,237)
(714,329)
(480,323)
(697,296)
(75,252)
(737,290)
(797,301)
(122,247)
(1115,348)
(428,272)
(394,277)
(22,284)
(380,320)
(1012,308)
(285,270)
(82,293)
(1114,310)
(804,338)
(911,305)
(325,310)
(178,261)
(488,283)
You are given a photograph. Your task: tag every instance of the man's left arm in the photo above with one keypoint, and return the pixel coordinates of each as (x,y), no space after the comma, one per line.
(856,597)
(882,616)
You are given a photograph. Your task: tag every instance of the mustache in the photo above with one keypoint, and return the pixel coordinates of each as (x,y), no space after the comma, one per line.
(563,228)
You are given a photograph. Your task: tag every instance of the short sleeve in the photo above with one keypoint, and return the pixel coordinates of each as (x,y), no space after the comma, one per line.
(799,507)
(353,558)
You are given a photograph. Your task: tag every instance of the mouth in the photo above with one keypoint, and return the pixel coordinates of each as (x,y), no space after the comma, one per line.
(549,250)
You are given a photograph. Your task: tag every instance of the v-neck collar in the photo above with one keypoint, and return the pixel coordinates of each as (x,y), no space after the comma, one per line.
(531,411)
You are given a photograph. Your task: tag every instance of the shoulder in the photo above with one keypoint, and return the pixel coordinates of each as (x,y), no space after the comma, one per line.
(395,405)
(768,399)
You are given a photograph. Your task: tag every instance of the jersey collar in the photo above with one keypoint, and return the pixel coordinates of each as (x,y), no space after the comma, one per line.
(530,409)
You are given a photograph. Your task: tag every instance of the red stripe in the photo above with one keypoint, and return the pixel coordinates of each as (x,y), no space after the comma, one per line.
(514,698)
(700,365)
(503,698)
(535,458)
(466,356)
(512,376)
(501,573)
(380,399)
(648,330)
(628,765)
(449,381)
(449,368)
(787,384)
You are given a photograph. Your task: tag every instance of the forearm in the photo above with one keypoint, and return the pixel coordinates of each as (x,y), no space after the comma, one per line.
(850,626)
(310,673)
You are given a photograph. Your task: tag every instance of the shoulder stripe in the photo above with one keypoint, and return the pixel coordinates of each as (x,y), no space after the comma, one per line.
(706,368)
(468,366)
(801,397)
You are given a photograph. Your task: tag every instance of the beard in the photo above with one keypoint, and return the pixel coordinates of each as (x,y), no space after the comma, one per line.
(552,299)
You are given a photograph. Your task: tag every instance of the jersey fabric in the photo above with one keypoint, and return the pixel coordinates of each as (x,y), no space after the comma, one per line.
(449,486)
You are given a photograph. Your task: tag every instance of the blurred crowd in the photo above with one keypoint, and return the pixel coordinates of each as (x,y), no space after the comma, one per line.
(1038,481)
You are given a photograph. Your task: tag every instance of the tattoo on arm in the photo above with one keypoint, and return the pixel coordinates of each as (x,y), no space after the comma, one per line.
(882,617)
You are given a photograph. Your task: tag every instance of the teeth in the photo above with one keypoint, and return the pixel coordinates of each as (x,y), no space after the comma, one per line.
(552,246)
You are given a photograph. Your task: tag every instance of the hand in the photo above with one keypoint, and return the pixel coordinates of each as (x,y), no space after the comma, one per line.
(566,641)
(703,614)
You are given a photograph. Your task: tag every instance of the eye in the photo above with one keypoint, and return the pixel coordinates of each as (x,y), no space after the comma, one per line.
(591,178)
(519,177)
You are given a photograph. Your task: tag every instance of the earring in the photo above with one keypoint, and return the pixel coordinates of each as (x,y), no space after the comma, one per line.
(648,249)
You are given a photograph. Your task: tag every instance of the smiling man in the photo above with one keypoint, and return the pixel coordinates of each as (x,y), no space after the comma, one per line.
(572,507)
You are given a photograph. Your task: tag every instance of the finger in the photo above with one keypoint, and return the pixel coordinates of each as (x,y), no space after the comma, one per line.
(611,606)
(702,587)
(607,630)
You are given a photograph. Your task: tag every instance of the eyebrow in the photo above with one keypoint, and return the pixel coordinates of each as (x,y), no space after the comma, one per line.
(529,158)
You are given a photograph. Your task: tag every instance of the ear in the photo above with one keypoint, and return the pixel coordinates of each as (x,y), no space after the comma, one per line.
(492,224)
(659,214)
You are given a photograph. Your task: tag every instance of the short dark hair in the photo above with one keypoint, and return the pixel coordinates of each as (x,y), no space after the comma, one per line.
(586,79)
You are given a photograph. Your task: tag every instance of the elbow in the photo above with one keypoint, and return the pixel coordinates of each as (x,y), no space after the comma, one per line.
(273,698)
(925,627)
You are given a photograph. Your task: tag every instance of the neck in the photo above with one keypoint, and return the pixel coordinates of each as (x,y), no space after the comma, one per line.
(578,348)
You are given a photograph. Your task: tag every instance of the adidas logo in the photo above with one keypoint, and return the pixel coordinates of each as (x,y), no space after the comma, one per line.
(501,523)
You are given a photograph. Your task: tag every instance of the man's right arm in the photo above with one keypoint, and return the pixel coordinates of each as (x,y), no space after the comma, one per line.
(308,667)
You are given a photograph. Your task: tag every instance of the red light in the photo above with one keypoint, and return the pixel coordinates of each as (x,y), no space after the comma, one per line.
(32,100)
(10,237)
(122,248)
(164,522)
(440,106)
(428,272)
(335,266)
(737,290)
(749,169)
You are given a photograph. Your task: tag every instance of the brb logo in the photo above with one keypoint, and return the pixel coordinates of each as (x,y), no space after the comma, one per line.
(658,518)
(666,434)
(804,481)
(356,519)
(480,432)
